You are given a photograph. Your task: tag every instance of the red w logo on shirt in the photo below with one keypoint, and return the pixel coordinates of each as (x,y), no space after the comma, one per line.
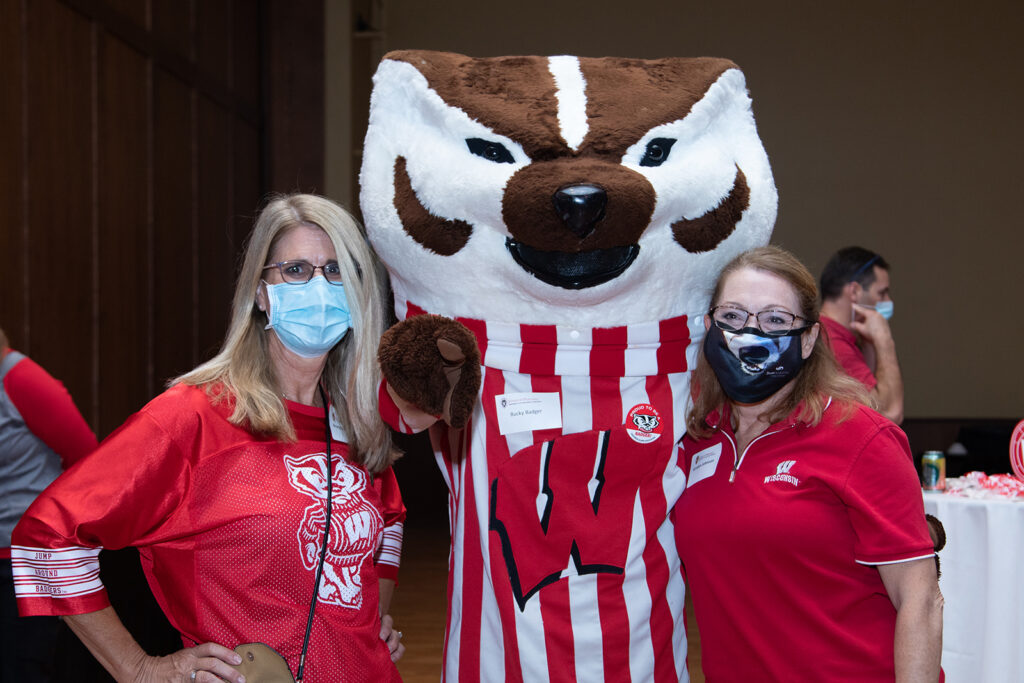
(566,506)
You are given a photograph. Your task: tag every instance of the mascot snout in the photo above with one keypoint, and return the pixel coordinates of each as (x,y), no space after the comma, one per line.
(576,223)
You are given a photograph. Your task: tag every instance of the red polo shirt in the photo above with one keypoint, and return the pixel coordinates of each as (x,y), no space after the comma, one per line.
(844,346)
(780,561)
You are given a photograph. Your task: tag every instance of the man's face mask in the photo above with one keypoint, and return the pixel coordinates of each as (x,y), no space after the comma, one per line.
(885,308)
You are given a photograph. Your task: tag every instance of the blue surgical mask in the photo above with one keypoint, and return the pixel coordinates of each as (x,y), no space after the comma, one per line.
(310,318)
(885,308)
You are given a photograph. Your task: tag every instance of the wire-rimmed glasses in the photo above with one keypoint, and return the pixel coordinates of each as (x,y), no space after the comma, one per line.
(300,272)
(772,321)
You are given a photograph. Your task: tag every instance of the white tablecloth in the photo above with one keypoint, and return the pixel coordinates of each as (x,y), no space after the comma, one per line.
(983,584)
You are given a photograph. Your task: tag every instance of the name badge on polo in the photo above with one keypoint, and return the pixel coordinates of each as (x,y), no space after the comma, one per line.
(704,464)
(523,412)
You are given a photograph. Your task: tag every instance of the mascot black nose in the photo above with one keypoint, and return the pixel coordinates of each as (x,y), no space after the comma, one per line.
(580,207)
(754,355)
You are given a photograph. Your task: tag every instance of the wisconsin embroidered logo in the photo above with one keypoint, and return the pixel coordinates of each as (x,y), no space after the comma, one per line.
(356,525)
(782,473)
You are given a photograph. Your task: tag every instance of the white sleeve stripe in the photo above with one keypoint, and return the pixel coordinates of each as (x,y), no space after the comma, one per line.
(27,553)
(55,572)
(56,580)
(908,559)
(390,552)
(43,590)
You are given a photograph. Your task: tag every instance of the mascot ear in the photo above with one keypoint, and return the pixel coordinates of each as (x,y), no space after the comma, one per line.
(433,363)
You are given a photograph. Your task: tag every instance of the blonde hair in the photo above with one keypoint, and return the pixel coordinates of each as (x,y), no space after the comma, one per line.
(820,378)
(243,367)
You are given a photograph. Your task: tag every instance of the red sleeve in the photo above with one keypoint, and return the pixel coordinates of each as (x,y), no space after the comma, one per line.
(389,554)
(49,412)
(883,496)
(844,348)
(130,491)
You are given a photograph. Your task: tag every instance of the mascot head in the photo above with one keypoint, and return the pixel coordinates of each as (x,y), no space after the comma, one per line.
(561,190)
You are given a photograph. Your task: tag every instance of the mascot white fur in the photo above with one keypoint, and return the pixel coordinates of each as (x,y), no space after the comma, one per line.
(572,214)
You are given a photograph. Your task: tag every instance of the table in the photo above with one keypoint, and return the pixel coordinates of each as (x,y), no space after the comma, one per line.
(983,584)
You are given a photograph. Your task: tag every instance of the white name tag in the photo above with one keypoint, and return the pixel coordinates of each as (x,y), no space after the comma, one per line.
(337,430)
(527,412)
(704,464)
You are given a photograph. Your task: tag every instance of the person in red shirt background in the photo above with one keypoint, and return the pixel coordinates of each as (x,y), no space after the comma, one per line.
(802,529)
(41,434)
(855,311)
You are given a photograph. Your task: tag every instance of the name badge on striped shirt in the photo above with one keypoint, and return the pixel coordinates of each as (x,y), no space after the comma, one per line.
(523,412)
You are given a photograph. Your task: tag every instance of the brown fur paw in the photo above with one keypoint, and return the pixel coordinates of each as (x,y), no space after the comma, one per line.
(938,534)
(434,363)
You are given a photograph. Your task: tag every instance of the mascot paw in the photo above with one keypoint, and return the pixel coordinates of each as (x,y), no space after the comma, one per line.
(433,363)
(938,534)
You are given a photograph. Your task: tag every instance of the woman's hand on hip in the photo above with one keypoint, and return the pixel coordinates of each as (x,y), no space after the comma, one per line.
(391,637)
(206,663)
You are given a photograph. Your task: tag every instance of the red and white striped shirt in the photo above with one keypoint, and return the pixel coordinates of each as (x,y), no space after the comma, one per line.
(563,563)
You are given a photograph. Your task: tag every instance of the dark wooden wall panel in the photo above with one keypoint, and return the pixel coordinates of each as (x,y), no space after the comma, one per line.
(173,25)
(13,273)
(124,258)
(294,162)
(134,151)
(175,345)
(61,193)
(216,248)
(247,185)
(213,40)
(245,59)
(132,10)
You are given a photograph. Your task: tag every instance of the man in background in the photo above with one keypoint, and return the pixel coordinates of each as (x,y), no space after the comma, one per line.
(855,311)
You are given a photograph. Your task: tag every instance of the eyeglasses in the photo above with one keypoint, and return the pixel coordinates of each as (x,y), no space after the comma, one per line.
(301,272)
(772,322)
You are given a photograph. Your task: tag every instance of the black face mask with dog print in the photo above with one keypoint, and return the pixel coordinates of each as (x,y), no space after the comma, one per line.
(751,365)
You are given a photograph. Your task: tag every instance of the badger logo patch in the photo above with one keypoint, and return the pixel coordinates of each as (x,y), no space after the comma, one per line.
(643,423)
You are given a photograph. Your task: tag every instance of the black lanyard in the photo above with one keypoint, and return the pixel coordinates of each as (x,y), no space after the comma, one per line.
(327,530)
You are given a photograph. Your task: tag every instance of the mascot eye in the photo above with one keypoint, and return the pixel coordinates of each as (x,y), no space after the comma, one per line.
(492,151)
(657,151)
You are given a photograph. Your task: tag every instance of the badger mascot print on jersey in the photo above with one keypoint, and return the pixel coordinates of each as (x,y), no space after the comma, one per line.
(571,215)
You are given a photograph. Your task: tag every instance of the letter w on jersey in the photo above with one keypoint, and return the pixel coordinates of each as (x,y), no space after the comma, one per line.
(565,507)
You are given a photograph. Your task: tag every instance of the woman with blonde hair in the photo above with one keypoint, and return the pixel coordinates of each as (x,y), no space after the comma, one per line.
(802,528)
(249,532)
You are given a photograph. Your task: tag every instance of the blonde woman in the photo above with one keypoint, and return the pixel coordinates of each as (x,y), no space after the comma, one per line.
(221,482)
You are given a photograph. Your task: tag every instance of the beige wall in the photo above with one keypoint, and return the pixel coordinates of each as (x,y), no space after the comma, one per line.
(889,124)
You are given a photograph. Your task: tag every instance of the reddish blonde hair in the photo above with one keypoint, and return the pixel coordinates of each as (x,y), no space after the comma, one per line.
(820,378)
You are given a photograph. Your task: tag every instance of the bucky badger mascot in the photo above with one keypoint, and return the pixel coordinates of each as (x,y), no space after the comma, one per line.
(571,214)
